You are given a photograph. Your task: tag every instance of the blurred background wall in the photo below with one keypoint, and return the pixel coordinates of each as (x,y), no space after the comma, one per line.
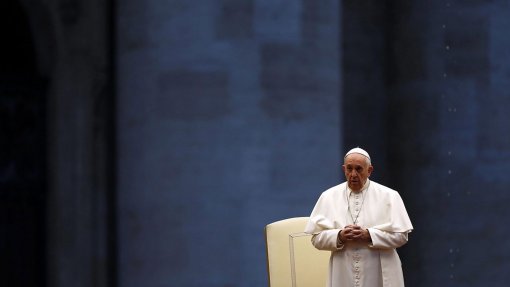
(228,119)
(148,143)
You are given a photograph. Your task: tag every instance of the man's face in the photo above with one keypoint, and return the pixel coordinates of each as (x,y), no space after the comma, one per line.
(356,170)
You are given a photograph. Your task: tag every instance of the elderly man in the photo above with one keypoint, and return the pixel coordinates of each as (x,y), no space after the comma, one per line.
(362,223)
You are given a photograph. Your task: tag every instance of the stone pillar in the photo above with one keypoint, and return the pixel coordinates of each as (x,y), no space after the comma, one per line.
(447,136)
(72,40)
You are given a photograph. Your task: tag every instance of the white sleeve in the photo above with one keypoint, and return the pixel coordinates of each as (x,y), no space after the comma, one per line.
(387,240)
(327,240)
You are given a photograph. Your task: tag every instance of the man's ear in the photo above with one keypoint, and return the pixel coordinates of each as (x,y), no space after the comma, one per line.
(370,169)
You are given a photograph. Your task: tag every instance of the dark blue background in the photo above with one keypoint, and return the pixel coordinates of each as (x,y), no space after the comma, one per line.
(170,133)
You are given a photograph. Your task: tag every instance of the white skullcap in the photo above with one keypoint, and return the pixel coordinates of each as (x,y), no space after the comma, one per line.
(357,150)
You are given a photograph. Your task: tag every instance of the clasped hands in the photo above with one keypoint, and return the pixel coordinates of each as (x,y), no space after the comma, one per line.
(354,233)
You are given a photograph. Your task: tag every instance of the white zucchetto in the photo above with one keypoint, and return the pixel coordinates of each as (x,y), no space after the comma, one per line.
(357,150)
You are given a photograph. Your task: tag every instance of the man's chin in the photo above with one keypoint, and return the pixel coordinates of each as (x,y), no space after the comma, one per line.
(355,186)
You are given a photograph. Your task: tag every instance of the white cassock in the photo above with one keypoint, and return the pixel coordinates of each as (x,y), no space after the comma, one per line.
(377,208)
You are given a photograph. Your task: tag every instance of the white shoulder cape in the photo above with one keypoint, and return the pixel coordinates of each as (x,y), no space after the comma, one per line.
(386,210)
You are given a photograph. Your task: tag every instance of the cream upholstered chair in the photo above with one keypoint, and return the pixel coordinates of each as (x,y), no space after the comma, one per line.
(292,260)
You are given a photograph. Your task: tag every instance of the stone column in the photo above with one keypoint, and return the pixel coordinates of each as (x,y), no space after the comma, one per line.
(72,39)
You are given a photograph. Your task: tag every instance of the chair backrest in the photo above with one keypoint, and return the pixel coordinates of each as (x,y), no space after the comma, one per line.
(292,260)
